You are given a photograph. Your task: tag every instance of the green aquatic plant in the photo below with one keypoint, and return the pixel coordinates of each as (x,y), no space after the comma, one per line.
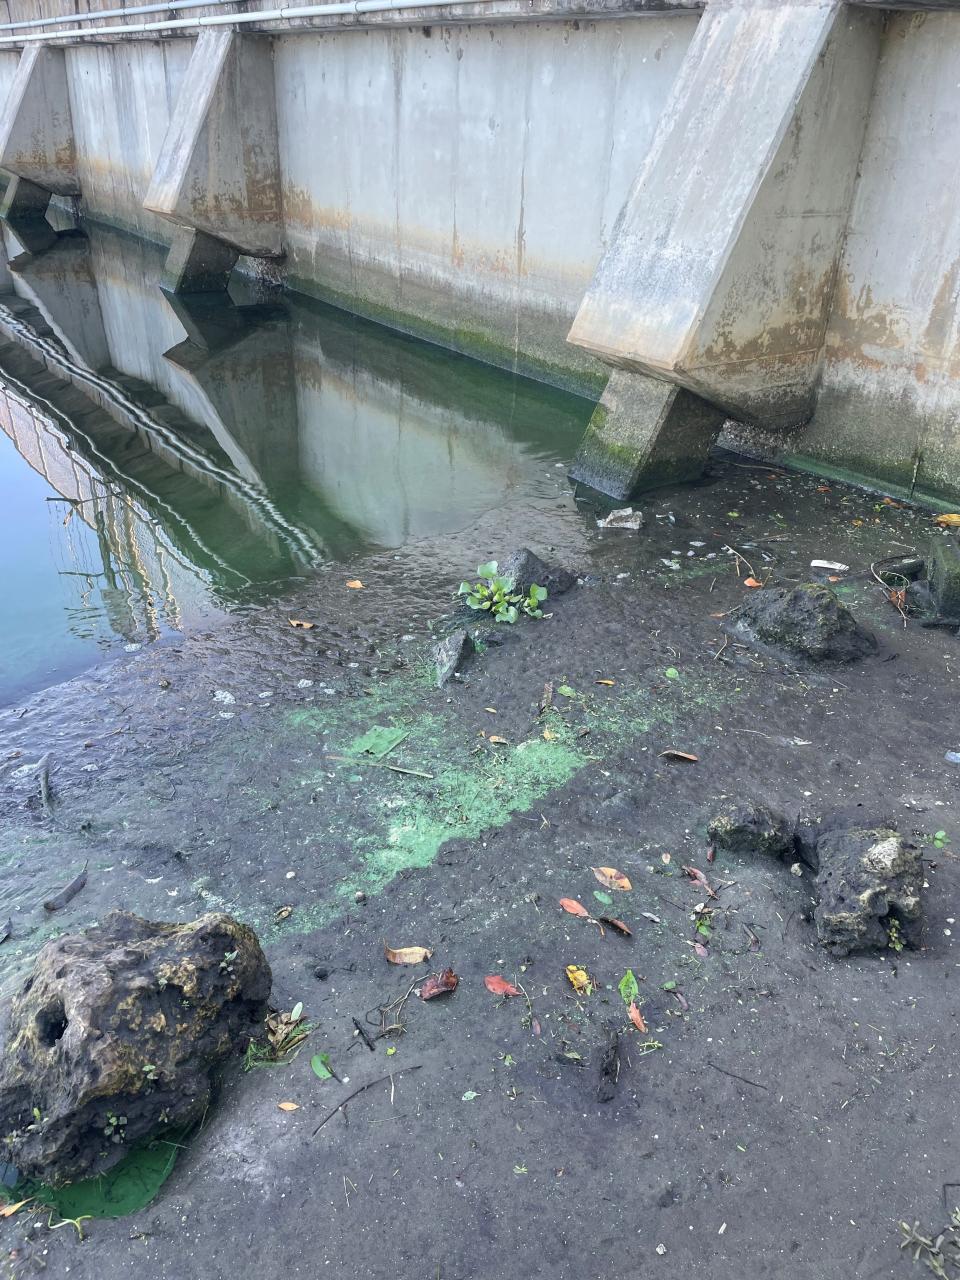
(496,595)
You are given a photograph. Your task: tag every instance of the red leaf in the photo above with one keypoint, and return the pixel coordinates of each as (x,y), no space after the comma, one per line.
(696,874)
(617,925)
(752,582)
(636,1017)
(575,908)
(672,754)
(499,986)
(439,984)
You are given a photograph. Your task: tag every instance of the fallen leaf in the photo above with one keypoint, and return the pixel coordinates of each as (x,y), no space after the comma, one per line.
(612,878)
(672,753)
(289,1106)
(304,626)
(354,584)
(672,673)
(617,925)
(575,908)
(628,987)
(897,598)
(549,735)
(492,710)
(696,874)
(603,897)
(469,1095)
(579,979)
(320,1065)
(439,984)
(948,520)
(9,1210)
(566,691)
(608,683)
(752,582)
(648,915)
(823,488)
(636,1017)
(61,899)
(499,986)
(407,955)
(701,950)
(281,914)
(495,738)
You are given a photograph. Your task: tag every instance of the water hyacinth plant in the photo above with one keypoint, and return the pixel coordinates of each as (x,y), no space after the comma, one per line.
(496,595)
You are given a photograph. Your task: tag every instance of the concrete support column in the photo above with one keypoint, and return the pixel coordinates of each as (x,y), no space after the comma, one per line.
(720,275)
(218,171)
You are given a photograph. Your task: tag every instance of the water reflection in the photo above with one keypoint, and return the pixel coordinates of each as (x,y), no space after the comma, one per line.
(207,447)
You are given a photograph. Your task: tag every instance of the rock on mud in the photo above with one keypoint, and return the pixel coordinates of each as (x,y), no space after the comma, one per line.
(450,653)
(869,886)
(528,570)
(809,620)
(115,1034)
(743,827)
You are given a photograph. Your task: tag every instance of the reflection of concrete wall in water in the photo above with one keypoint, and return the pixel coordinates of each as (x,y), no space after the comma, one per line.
(135,582)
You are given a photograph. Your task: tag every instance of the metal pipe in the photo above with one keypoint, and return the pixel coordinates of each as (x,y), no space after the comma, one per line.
(94,15)
(239,19)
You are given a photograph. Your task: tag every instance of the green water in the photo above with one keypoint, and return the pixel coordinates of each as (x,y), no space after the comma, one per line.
(208,454)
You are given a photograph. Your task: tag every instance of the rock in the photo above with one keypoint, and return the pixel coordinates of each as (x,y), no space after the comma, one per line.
(450,653)
(526,569)
(115,1034)
(809,620)
(943,574)
(743,827)
(869,885)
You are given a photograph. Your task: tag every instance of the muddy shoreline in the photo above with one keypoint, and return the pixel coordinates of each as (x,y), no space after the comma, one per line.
(796,1107)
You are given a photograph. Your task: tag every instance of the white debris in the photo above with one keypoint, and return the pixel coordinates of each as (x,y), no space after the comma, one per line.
(834,565)
(622,518)
(222,695)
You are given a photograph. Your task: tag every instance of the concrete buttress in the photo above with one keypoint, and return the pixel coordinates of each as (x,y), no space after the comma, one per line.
(218,171)
(720,275)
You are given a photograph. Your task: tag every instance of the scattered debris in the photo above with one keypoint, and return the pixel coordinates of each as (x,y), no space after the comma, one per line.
(622,518)
(407,955)
(834,566)
(809,621)
(116,1033)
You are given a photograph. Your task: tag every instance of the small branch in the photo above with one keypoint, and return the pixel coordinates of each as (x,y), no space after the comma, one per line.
(733,1076)
(369,1085)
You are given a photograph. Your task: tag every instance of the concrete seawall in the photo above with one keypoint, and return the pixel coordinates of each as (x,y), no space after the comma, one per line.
(551,193)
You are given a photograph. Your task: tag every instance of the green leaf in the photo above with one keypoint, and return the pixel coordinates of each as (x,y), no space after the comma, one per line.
(320,1062)
(669,986)
(566,691)
(470,1095)
(672,673)
(296,1011)
(538,593)
(465,589)
(507,613)
(392,1050)
(488,570)
(603,897)
(628,987)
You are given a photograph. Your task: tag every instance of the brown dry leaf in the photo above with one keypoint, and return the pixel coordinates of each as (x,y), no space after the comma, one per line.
(407,955)
(897,598)
(439,984)
(496,738)
(579,979)
(752,582)
(499,986)
(950,520)
(636,1017)
(701,950)
(608,683)
(696,874)
(671,753)
(303,626)
(281,914)
(575,908)
(611,878)
(617,925)
(354,584)
(9,1210)
(823,488)
(289,1106)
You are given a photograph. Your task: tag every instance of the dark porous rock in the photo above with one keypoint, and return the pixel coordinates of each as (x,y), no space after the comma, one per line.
(869,885)
(743,827)
(809,620)
(450,653)
(528,570)
(115,1034)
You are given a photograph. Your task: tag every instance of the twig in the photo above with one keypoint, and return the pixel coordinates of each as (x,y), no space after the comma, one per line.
(381,764)
(721,649)
(369,1085)
(363,1035)
(740,556)
(891,593)
(733,1075)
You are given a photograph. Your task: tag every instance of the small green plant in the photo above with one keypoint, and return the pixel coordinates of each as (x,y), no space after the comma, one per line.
(226,964)
(894,935)
(941,1252)
(940,839)
(115,1128)
(285,1034)
(150,1071)
(496,595)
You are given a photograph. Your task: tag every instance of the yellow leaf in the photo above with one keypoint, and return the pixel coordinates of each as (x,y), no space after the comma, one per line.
(549,735)
(611,878)
(289,1106)
(9,1210)
(606,682)
(407,955)
(950,520)
(304,626)
(494,738)
(354,584)
(579,979)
